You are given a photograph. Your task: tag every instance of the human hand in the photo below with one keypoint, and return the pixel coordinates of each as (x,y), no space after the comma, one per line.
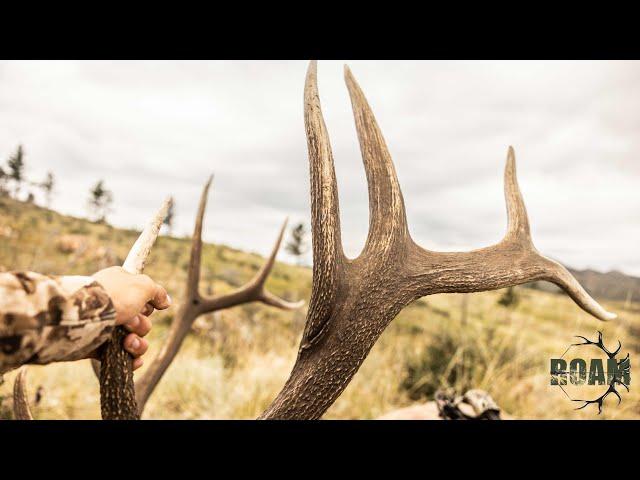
(134,297)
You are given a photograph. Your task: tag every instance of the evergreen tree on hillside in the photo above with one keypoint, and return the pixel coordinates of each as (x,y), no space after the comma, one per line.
(100,200)
(297,246)
(509,298)
(4,177)
(16,170)
(168,220)
(47,187)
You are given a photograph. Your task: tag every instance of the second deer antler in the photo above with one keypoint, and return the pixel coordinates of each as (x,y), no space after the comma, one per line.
(195,304)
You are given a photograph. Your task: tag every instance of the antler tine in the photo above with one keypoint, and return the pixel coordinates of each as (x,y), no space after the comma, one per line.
(325,211)
(139,253)
(518,220)
(254,290)
(519,231)
(387,217)
(513,261)
(193,274)
(259,280)
(21,409)
(558,274)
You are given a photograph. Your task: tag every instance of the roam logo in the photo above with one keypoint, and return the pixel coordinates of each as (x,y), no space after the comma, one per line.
(578,376)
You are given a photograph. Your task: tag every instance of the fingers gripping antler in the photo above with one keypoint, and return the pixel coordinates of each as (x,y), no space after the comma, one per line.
(195,304)
(117,389)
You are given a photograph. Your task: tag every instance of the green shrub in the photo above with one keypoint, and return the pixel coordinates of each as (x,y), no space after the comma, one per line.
(458,358)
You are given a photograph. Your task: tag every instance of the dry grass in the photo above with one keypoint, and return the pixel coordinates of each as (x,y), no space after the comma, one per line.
(236,361)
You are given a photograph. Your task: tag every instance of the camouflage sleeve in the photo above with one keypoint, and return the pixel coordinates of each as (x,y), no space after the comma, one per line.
(46,319)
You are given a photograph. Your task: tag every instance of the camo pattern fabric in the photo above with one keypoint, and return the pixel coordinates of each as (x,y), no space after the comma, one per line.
(46,319)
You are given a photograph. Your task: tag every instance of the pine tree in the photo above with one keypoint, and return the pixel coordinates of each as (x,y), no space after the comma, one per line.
(47,187)
(297,246)
(168,220)
(16,170)
(100,200)
(3,182)
(509,298)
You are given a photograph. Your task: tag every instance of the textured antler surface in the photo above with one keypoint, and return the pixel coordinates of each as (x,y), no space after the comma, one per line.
(21,409)
(195,304)
(353,301)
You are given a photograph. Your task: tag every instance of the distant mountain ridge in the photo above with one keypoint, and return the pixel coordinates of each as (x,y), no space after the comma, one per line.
(612,285)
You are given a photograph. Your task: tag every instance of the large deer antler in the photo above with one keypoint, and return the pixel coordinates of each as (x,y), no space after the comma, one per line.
(353,300)
(195,304)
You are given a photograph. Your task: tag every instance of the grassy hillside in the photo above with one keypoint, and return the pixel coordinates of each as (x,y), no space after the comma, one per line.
(236,360)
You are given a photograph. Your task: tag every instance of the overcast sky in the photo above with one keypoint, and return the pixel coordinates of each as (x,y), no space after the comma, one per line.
(155,128)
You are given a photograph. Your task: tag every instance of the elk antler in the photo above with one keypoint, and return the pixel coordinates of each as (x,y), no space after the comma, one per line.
(353,301)
(195,304)
(21,409)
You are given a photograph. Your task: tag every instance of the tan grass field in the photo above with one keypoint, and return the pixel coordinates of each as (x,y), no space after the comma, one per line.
(236,360)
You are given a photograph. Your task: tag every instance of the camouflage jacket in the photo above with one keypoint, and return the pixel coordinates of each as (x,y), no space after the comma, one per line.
(46,319)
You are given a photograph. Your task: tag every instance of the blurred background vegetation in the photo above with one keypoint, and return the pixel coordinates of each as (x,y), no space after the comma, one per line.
(235,361)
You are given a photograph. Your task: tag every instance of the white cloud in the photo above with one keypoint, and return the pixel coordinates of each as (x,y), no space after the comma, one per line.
(152,128)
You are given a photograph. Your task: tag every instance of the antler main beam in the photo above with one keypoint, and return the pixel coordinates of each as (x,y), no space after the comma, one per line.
(196,304)
(352,301)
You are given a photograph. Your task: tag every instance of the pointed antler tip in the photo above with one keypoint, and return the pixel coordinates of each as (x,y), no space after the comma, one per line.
(296,305)
(207,186)
(350,80)
(511,157)
(313,66)
(310,84)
